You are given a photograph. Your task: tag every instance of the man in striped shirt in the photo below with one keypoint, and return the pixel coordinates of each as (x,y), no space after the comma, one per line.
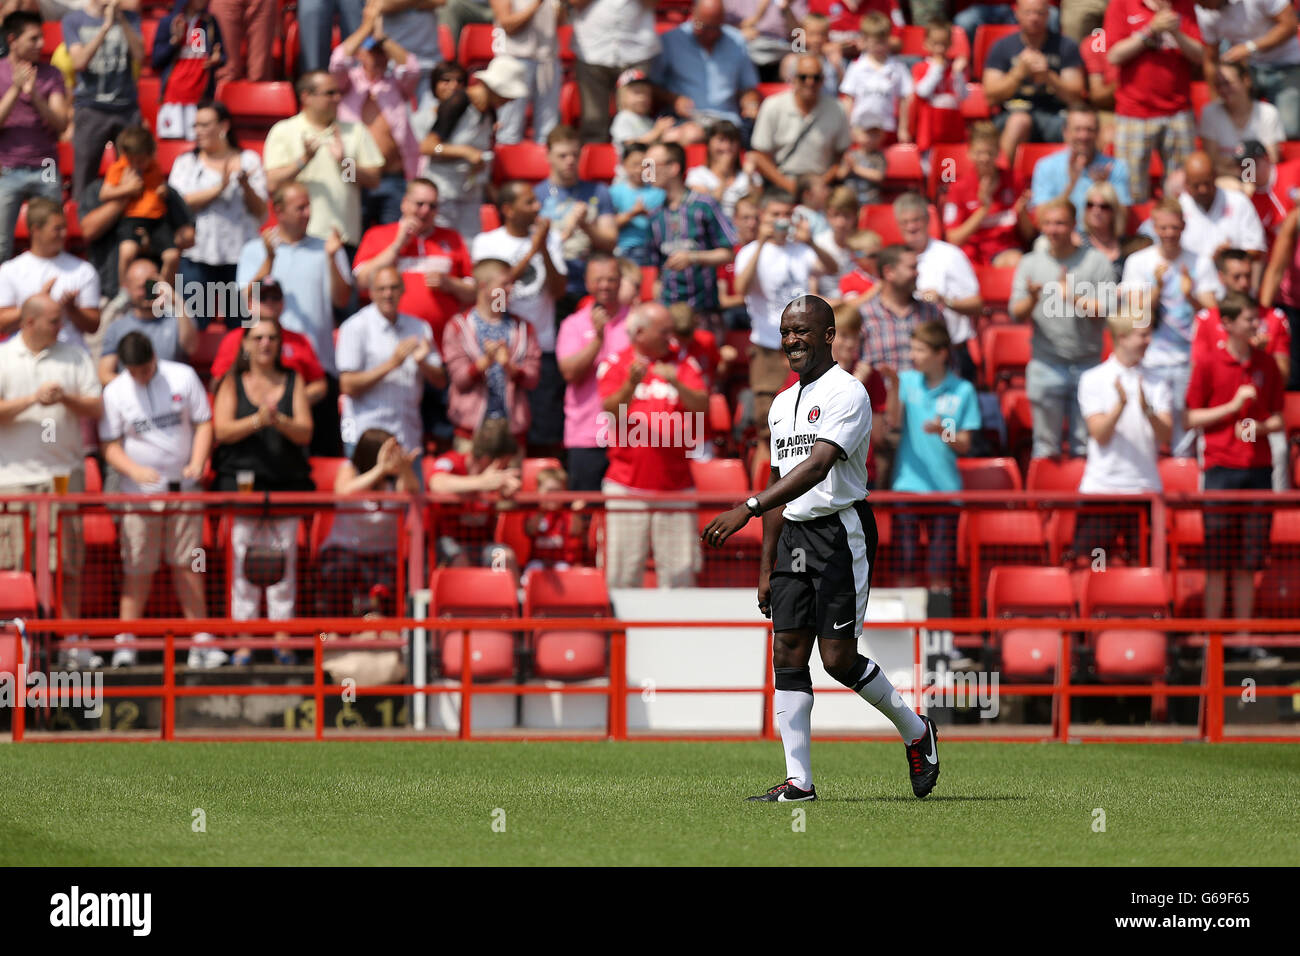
(690,238)
(890,316)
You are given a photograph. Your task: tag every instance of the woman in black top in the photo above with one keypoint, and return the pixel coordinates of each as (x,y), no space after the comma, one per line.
(262,422)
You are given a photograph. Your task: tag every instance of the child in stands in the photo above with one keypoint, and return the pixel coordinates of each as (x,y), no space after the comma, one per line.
(137,177)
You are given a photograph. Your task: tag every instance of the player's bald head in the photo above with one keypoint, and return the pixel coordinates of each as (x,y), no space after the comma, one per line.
(814,310)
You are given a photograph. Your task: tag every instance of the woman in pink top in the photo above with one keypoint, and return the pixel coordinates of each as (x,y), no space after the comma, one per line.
(380,97)
(1280,286)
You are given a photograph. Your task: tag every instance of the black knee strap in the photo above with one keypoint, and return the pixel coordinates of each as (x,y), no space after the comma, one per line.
(793,678)
(859,673)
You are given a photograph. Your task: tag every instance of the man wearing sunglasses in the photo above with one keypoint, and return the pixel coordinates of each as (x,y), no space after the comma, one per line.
(800,132)
(333,159)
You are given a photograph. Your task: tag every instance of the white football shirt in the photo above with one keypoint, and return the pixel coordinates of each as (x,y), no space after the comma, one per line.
(155,422)
(835,407)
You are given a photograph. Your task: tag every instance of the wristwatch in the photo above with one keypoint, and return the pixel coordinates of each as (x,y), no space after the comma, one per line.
(752,504)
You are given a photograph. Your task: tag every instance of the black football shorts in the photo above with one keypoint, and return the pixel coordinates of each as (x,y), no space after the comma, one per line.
(822,574)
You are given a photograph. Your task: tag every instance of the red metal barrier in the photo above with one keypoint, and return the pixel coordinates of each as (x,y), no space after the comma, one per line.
(1210,692)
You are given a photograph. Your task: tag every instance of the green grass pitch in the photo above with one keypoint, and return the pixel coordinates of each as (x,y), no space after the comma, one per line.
(642,803)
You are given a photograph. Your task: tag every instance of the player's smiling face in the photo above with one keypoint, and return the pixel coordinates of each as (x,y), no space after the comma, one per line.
(806,343)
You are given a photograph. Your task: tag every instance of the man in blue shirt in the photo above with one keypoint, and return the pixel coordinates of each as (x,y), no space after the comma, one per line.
(580,212)
(1070,173)
(706,73)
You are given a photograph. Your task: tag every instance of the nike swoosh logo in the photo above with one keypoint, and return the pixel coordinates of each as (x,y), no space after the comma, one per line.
(931,756)
(778,421)
(845,624)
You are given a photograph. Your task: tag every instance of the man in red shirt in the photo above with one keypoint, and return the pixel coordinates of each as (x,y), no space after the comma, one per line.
(647,391)
(433,261)
(1274,336)
(295,349)
(1235,396)
(1154,48)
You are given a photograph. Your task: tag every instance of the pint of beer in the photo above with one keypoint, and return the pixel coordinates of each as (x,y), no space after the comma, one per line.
(246,479)
(61,482)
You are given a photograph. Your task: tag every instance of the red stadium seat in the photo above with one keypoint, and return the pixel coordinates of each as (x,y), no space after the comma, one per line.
(1200,92)
(169,149)
(324,471)
(149,89)
(1179,474)
(995,289)
(564,36)
(985,36)
(570,104)
(726,476)
(446,43)
(1291,415)
(1288,150)
(17,599)
(948,161)
(17,594)
(771,89)
(649,276)
(1188,588)
(489,217)
(259,105)
(1050,474)
(148,30)
(1029,653)
(903,167)
(476,592)
(913,38)
(512,531)
(597,161)
(989,474)
(1007,351)
(976,104)
(1019,416)
(1027,156)
(697,154)
(209,342)
(576,592)
(531,466)
(477,45)
(719,414)
(1128,653)
(880,220)
(1278,592)
(525,161)
(53,38)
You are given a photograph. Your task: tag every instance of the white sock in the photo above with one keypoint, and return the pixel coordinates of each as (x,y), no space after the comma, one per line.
(794,717)
(874,687)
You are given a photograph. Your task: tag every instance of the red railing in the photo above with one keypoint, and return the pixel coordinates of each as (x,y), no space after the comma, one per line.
(1211,692)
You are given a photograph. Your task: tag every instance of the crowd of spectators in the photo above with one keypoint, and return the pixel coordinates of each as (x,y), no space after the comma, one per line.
(390,291)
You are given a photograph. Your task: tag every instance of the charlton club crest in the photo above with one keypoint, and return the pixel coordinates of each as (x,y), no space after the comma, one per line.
(814,413)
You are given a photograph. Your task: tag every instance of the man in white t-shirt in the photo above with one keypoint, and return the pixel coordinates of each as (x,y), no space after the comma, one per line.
(157,434)
(944,276)
(537,281)
(47,388)
(385,357)
(1216,218)
(1129,413)
(782,264)
(1186,282)
(47,268)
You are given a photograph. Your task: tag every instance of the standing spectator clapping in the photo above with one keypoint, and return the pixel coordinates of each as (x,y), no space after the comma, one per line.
(34,112)
(225,187)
